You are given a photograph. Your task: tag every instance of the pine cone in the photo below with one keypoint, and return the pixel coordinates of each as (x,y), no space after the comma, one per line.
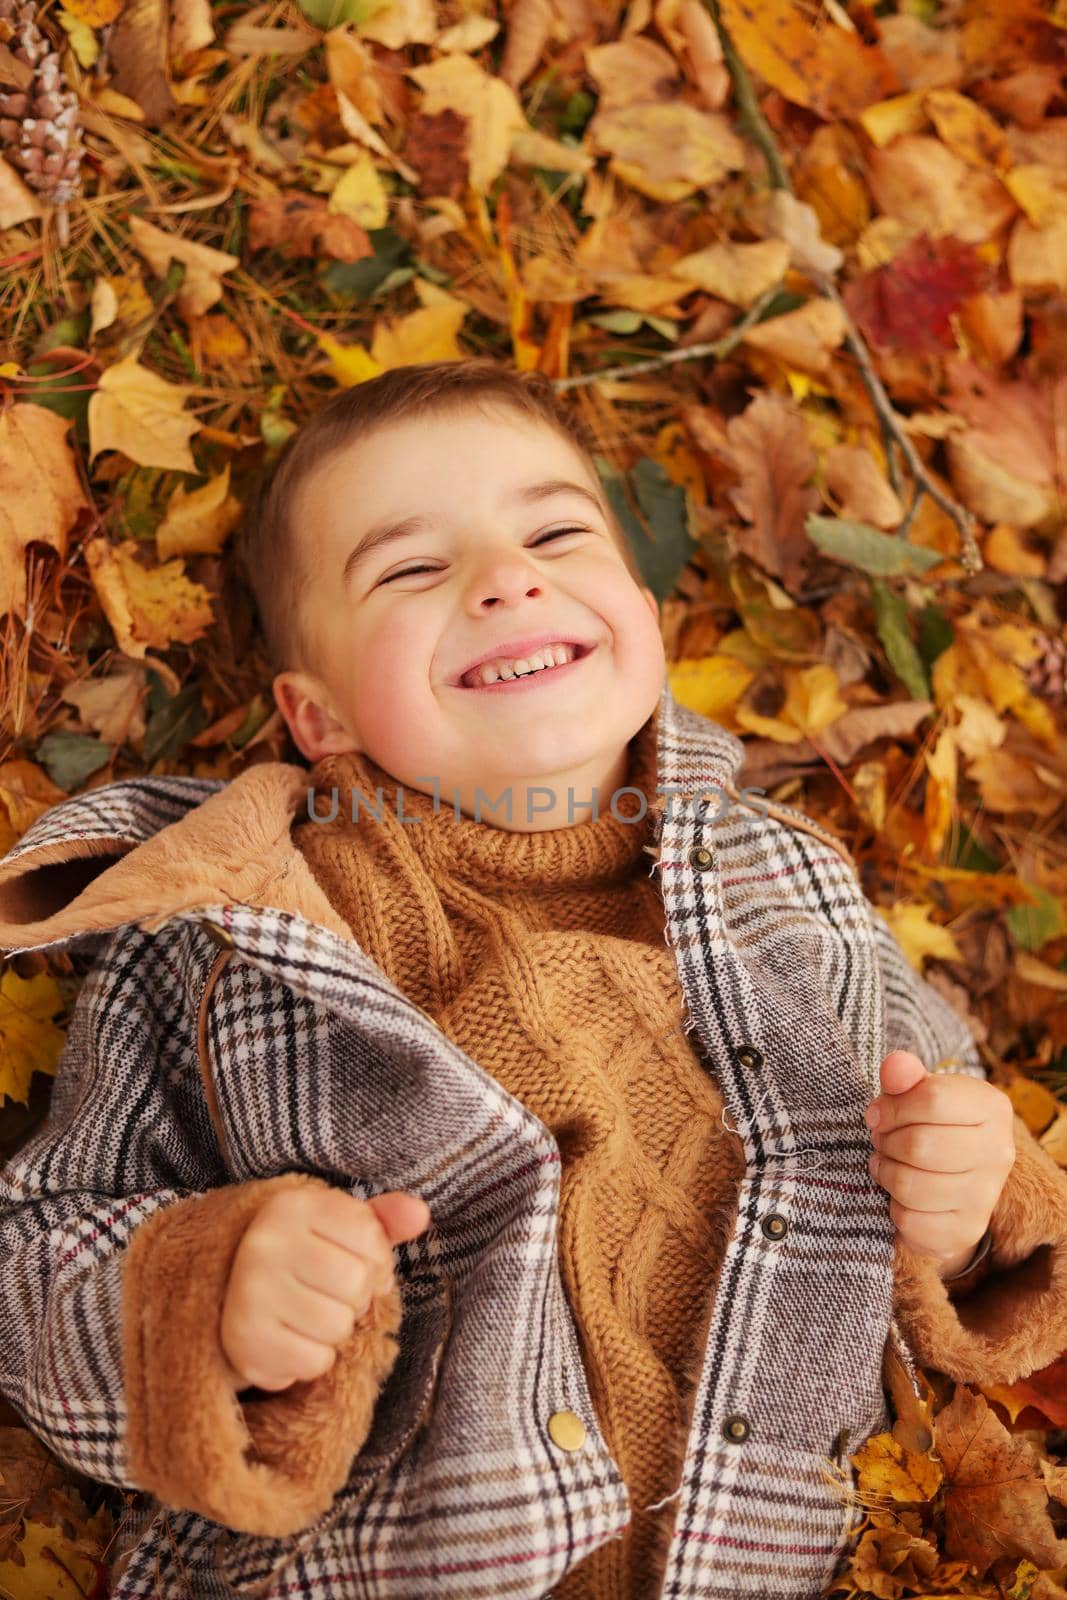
(40,132)
(1048,673)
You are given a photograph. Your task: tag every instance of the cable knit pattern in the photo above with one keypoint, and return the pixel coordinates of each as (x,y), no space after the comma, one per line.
(544,957)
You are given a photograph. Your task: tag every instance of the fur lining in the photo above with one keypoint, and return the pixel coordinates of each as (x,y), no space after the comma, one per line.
(270,1465)
(1015,1321)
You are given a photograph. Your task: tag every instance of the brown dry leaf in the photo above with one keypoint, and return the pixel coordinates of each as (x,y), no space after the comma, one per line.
(456,83)
(996,1503)
(147,607)
(772,453)
(113,706)
(17,202)
(804,339)
(1010,465)
(922,57)
(352,72)
(688,28)
(138,412)
(198,521)
(829,69)
(202,285)
(1037,256)
(41,493)
(739,273)
(192,28)
(667,151)
(25,791)
(402,23)
(926,188)
(630,70)
(787,218)
(863,492)
(529,24)
(139,56)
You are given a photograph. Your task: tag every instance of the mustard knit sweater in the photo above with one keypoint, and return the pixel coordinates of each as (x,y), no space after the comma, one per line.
(544,957)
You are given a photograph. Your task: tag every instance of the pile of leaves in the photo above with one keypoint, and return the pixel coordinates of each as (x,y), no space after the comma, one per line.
(801,268)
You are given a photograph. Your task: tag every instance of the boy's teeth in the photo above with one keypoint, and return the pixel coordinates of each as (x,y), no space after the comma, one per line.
(554,655)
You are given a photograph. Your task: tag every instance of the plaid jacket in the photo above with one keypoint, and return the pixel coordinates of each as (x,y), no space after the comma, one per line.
(230,1037)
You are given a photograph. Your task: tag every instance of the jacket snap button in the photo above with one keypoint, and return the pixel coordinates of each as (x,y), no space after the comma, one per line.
(700,857)
(566,1430)
(736,1429)
(748,1055)
(217,934)
(774,1225)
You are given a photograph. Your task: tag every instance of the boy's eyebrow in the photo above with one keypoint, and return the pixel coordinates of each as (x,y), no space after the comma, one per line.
(386,532)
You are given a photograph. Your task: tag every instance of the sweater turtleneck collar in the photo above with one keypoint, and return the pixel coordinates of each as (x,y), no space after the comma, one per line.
(602,849)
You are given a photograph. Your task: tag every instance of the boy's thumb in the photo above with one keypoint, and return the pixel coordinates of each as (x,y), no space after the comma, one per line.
(403,1216)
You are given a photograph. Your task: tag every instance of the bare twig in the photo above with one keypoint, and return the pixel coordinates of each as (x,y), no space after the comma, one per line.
(717,349)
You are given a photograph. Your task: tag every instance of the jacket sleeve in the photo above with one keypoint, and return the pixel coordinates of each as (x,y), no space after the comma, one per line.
(118,1226)
(1006,1317)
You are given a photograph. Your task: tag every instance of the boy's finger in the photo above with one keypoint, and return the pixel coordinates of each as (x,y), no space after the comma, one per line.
(402,1215)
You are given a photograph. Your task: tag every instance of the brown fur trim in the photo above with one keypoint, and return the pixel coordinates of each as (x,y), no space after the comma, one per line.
(1015,1322)
(271,1465)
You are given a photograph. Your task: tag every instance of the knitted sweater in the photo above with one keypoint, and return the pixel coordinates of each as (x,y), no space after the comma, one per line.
(544,957)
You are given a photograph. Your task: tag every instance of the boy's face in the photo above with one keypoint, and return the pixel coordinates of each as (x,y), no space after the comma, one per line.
(390,643)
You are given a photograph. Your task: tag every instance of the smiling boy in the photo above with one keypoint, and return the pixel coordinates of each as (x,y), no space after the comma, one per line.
(617,1051)
(499,535)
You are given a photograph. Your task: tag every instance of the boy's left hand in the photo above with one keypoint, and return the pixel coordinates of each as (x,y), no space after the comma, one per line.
(943,1148)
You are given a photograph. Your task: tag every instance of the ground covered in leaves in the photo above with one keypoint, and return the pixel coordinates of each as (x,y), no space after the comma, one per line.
(801,268)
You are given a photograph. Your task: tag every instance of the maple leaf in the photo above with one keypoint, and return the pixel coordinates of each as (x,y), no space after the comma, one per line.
(908,303)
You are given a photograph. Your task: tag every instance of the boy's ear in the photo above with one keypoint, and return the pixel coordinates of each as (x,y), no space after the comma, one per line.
(305,705)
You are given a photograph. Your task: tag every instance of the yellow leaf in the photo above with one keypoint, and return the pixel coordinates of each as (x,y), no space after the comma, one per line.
(1039,191)
(901,113)
(50,1565)
(83,40)
(113,706)
(888,1469)
(25,791)
(201,286)
(350,363)
(197,521)
(739,273)
(812,700)
(425,335)
(29,1039)
(830,70)
(116,104)
(939,805)
(96,13)
(40,493)
(146,607)
(400,23)
(710,686)
(1034,970)
(968,128)
(359,193)
(918,937)
(138,412)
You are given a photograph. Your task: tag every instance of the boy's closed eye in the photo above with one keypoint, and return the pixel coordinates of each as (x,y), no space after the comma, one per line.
(553,533)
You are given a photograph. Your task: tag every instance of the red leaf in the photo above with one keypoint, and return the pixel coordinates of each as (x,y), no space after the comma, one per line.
(908,302)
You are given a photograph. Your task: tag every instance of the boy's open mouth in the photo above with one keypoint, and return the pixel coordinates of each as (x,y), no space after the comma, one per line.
(528,679)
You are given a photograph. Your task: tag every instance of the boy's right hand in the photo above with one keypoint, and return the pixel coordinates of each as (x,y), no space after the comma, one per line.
(304,1274)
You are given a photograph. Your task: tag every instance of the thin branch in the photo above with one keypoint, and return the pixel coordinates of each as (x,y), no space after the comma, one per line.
(717,350)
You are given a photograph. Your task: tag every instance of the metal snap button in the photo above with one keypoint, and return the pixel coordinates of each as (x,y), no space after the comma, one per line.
(736,1429)
(567,1430)
(700,857)
(774,1225)
(218,935)
(748,1055)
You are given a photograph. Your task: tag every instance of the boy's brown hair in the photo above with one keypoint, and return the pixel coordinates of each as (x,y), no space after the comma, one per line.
(266,541)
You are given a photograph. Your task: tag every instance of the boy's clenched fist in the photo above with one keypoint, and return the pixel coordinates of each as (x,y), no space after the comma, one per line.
(304,1274)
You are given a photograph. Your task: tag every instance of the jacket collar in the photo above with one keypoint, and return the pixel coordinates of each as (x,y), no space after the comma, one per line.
(114,855)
